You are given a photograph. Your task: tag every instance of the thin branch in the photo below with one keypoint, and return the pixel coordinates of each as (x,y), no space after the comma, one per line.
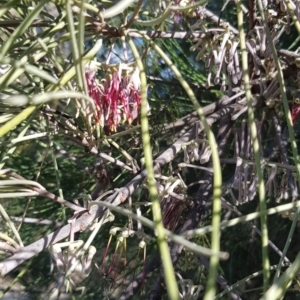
(45,193)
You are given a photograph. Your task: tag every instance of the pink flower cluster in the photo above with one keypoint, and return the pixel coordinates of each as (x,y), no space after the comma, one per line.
(119,98)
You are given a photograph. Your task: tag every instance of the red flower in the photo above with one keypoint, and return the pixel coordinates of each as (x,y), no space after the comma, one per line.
(119,99)
(295,111)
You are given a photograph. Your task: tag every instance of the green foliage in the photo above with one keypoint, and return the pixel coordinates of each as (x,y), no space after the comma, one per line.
(93,104)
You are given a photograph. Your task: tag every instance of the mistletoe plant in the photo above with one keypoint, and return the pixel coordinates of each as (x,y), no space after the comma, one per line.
(141,141)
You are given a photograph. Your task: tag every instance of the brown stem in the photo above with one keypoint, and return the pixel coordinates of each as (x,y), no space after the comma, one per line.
(135,13)
(252,13)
